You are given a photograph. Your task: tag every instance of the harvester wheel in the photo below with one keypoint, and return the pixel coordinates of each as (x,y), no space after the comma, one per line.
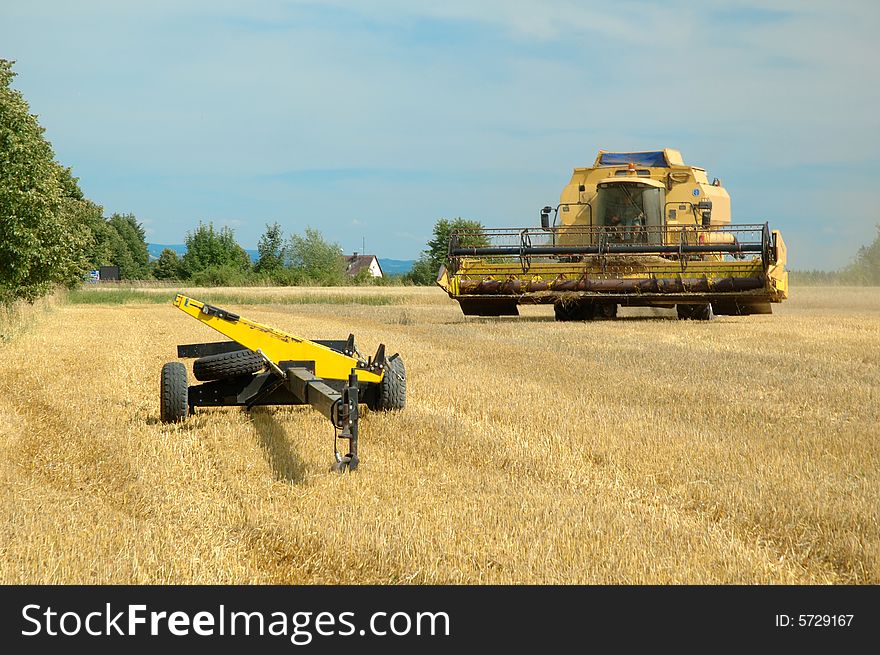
(227,365)
(698,312)
(173,393)
(392,389)
(575,311)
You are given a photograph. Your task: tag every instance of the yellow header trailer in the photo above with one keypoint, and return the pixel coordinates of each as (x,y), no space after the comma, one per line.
(261,365)
(636,229)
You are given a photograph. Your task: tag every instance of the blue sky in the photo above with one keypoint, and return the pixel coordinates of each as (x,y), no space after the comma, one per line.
(370,120)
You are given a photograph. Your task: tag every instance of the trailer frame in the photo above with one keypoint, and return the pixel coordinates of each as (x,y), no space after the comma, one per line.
(289,377)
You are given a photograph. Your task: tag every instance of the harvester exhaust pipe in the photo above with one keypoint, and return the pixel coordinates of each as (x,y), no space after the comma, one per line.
(705,206)
(545,218)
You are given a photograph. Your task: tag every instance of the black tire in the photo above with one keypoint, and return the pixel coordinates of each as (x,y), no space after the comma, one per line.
(574,311)
(391,394)
(173,393)
(697,312)
(227,365)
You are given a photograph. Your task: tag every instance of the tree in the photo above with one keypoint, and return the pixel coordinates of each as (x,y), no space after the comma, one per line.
(99,251)
(117,241)
(207,248)
(470,233)
(272,251)
(167,266)
(42,241)
(129,247)
(313,259)
(423,271)
(866,268)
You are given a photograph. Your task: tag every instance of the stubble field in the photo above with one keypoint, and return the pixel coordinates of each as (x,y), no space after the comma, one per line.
(642,450)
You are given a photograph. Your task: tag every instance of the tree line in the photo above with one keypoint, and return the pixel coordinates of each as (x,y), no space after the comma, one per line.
(864,270)
(214,258)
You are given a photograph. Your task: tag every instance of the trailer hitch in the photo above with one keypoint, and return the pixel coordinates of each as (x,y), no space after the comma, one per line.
(346,420)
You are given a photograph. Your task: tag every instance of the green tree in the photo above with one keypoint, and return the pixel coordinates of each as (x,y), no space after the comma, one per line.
(866,268)
(423,271)
(272,251)
(167,266)
(117,241)
(69,184)
(99,251)
(129,247)
(82,211)
(207,248)
(42,241)
(470,233)
(221,276)
(312,259)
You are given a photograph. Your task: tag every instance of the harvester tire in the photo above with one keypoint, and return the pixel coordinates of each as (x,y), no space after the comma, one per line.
(392,389)
(173,393)
(699,312)
(227,365)
(576,311)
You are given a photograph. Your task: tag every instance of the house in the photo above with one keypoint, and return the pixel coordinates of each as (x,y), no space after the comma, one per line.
(356,264)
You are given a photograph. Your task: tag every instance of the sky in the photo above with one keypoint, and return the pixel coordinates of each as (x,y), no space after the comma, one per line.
(369,120)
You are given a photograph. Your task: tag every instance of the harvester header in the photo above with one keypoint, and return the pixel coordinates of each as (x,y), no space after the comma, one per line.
(636,229)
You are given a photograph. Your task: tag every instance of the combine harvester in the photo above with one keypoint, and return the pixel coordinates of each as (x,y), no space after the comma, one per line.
(638,229)
(265,366)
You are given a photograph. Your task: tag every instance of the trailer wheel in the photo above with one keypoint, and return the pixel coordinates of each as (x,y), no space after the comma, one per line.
(173,393)
(697,312)
(392,389)
(574,311)
(227,365)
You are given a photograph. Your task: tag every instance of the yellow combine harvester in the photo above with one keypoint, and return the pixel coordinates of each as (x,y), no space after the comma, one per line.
(265,366)
(638,229)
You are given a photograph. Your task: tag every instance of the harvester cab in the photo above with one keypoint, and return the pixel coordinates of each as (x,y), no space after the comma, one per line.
(635,229)
(260,365)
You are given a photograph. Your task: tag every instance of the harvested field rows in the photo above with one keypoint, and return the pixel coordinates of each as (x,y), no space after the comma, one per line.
(643,450)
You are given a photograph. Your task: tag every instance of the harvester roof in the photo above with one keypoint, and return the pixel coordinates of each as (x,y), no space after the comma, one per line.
(655,158)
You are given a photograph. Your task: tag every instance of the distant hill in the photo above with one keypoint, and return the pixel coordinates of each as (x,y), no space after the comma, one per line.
(396,266)
(389,266)
(155,249)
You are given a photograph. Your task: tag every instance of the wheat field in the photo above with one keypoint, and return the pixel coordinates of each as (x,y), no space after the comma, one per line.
(643,450)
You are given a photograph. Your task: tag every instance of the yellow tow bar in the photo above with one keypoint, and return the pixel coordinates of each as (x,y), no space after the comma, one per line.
(331,376)
(275,345)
